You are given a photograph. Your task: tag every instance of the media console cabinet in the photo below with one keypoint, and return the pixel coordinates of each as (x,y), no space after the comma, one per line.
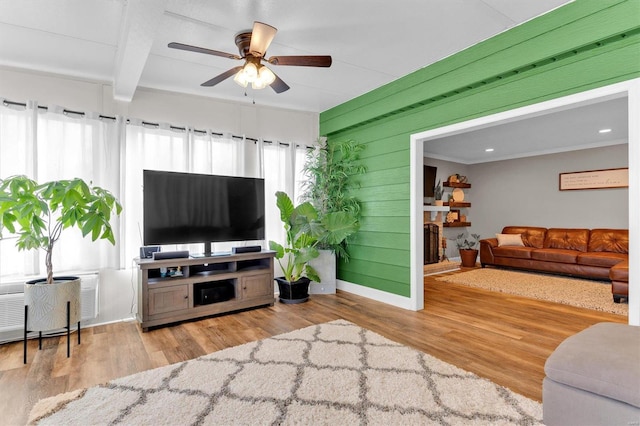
(172,290)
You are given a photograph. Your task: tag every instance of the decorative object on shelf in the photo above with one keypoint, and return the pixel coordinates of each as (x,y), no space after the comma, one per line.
(305,230)
(453,179)
(453,216)
(458,195)
(462,179)
(437,194)
(467,248)
(39,213)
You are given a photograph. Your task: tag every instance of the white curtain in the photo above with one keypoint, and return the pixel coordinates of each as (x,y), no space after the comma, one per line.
(161,147)
(51,144)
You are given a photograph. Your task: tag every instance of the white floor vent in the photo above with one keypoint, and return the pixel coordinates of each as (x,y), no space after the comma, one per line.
(12,305)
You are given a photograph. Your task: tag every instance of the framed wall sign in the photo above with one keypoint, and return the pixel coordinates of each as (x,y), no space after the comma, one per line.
(594,179)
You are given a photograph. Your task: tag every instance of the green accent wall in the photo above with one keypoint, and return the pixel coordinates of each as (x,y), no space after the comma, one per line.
(578,47)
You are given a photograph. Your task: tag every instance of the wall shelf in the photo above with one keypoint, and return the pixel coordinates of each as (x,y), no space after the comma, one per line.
(461,204)
(456,224)
(456,185)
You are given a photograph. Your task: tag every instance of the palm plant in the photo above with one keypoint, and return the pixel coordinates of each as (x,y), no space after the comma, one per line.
(330,169)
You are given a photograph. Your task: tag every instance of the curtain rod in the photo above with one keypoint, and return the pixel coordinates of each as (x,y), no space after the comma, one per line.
(147,123)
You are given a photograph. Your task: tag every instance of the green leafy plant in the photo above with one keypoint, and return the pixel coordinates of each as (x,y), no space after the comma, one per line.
(438,192)
(38,213)
(305,230)
(465,243)
(330,169)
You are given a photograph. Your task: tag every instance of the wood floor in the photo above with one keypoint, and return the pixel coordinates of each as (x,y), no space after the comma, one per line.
(501,337)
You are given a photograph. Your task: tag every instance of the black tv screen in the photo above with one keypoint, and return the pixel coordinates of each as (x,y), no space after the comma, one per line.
(429,180)
(183,208)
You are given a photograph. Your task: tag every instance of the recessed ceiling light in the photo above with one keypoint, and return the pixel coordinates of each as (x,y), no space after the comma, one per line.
(488,150)
(604,130)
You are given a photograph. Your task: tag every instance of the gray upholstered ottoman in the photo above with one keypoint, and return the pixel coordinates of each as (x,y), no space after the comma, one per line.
(593,378)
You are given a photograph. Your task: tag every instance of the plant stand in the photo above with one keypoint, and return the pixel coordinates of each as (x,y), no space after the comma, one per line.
(51,307)
(68,327)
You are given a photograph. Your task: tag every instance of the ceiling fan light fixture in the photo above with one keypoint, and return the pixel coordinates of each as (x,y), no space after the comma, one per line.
(251,71)
(241,78)
(266,75)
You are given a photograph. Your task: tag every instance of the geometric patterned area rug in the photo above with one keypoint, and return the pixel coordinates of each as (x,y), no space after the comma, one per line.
(334,373)
(588,294)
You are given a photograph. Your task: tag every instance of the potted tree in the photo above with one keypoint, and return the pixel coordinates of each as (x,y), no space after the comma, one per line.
(466,247)
(38,213)
(304,232)
(330,169)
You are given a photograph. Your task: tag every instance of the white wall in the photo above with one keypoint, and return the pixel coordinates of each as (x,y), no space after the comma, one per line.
(525,192)
(117,287)
(158,106)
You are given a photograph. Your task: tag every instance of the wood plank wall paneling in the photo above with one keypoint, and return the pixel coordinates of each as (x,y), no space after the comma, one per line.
(580,46)
(574,25)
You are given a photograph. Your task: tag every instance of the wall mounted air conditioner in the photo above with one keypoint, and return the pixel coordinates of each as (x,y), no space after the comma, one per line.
(12,304)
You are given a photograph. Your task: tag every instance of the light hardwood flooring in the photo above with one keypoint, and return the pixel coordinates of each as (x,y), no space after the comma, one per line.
(498,336)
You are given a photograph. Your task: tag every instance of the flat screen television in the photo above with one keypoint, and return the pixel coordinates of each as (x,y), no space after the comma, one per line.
(185,208)
(429,180)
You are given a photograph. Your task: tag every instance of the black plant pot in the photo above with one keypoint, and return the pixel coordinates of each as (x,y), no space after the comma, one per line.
(293,292)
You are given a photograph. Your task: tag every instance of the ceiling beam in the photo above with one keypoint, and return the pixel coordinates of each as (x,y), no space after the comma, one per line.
(140,22)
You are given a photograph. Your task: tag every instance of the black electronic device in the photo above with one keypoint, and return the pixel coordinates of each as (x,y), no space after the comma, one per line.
(429,180)
(180,254)
(146,252)
(214,292)
(246,249)
(184,208)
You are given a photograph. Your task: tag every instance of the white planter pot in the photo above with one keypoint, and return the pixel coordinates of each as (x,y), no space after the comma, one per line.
(48,303)
(325,264)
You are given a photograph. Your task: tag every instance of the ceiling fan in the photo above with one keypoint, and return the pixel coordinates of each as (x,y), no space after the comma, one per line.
(253,45)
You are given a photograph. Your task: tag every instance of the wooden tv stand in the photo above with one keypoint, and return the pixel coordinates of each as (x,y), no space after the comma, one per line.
(166,295)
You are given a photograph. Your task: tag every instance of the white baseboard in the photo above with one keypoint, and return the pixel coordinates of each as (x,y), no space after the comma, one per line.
(378,295)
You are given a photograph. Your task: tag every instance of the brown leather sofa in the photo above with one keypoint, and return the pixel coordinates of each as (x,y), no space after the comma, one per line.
(601,254)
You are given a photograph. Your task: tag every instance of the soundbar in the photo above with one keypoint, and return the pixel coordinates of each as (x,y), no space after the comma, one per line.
(159,255)
(246,249)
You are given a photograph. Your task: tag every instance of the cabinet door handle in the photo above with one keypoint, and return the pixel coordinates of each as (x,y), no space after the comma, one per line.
(186,297)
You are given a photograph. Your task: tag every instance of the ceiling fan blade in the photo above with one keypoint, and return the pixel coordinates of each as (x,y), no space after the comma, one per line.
(279,86)
(261,37)
(219,78)
(305,61)
(196,49)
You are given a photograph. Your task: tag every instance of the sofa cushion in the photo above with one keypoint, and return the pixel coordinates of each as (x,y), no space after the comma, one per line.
(620,272)
(568,239)
(531,236)
(603,360)
(555,255)
(601,259)
(609,240)
(509,240)
(517,252)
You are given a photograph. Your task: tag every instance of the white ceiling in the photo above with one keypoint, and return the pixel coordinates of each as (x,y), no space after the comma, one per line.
(557,131)
(372,42)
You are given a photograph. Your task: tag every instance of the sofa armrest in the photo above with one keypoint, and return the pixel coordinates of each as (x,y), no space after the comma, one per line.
(486,251)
